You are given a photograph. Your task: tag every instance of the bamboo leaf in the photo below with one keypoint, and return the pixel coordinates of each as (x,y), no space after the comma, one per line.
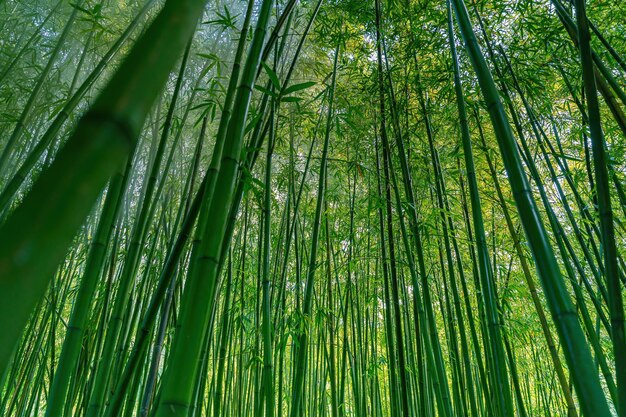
(272,75)
(298,87)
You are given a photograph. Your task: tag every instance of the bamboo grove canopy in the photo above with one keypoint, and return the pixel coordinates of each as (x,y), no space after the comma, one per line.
(288,208)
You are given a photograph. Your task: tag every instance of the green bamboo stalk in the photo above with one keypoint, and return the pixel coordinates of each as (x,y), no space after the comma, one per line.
(616,303)
(402,371)
(487,279)
(69,193)
(268,371)
(41,79)
(533,290)
(301,351)
(114,327)
(443,398)
(394,402)
(204,194)
(332,370)
(29,42)
(189,209)
(584,374)
(94,264)
(12,186)
(604,79)
(178,380)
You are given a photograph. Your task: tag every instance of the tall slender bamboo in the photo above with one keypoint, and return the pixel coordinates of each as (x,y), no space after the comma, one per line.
(21,121)
(616,303)
(302,349)
(585,377)
(176,396)
(487,280)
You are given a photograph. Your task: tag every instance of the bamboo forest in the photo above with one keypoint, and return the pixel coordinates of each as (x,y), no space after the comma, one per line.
(313,208)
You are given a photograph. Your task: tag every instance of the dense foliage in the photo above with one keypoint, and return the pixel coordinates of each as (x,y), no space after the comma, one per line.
(283,208)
